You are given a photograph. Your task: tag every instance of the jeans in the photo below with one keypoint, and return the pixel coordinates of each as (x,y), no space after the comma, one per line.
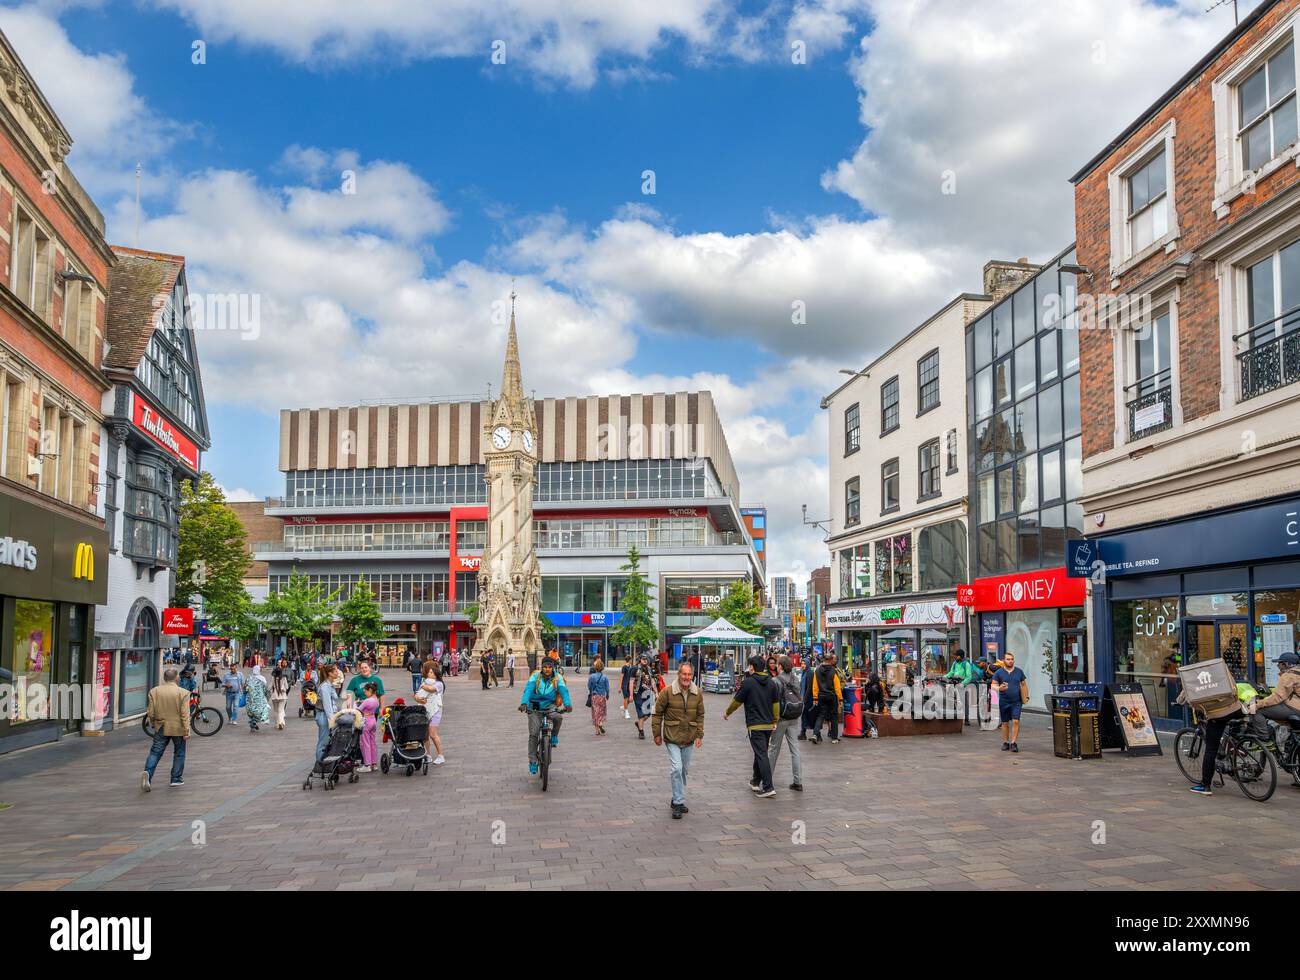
(828,709)
(416,681)
(511,672)
(232,707)
(322,733)
(535,728)
(760,740)
(679,764)
(785,732)
(809,717)
(156,753)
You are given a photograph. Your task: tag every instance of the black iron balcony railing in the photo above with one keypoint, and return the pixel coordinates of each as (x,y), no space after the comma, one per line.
(1151,407)
(1271,360)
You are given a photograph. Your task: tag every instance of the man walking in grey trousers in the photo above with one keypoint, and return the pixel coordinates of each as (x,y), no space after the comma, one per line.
(787,729)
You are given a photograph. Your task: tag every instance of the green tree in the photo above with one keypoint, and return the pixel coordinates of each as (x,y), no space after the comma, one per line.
(741,606)
(637,629)
(300,610)
(212,552)
(235,616)
(360,620)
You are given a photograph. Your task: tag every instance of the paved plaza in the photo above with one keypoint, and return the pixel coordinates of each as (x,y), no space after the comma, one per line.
(946,812)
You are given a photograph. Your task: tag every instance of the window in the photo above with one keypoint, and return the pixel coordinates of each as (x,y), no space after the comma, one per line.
(889,486)
(889,406)
(852,501)
(929,469)
(927,382)
(1148,203)
(1271,342)
(952,451)
(1151,355)
(31,270)
(852,430)
(1266,110)
(941,556)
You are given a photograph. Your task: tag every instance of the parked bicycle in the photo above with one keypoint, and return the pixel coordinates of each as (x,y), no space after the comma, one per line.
(203,721)
(1287,752)
(1244,757)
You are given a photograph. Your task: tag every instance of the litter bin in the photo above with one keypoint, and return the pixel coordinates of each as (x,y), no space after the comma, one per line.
(853,711)
(1076,728)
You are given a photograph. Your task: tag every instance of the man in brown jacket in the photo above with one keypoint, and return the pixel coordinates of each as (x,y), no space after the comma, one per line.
(678,719)
(1285,699)
(169,713)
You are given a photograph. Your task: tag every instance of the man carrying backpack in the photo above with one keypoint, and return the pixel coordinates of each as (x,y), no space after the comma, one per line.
(828,694)
(791,715)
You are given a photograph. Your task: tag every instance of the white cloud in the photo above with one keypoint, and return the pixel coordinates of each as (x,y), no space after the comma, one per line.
(1013,105)
(94,96)
(238,495)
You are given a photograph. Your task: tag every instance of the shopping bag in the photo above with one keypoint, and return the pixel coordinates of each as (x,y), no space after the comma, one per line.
(243,699)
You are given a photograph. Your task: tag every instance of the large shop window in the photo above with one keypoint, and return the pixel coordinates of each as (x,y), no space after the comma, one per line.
(941,556)
(855,572)
(137,664)
(894,564)
(1148,649)
(1031,636)
(33,650)
(1276,630)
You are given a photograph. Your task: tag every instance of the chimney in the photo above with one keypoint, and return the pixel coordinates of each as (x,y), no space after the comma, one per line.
(1002,276)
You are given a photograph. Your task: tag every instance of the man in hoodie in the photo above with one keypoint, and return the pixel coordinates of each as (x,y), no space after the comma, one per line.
(787,685)
(828,695)
(761,699)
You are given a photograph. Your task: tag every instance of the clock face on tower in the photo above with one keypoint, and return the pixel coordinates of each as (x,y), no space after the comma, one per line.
(501,437)
(528,441)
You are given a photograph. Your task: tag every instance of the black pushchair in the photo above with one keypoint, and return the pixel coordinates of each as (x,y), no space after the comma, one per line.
(308,696)
(342,753)
(407,726)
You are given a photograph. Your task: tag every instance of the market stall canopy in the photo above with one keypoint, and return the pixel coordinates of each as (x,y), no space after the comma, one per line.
(722,633)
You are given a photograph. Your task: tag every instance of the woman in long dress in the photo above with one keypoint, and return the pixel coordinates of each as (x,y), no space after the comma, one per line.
(280,683)
(598,694)
(259,708)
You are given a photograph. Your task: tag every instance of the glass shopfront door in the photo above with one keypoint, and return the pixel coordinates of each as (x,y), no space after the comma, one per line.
(1072,656)
(1206,639)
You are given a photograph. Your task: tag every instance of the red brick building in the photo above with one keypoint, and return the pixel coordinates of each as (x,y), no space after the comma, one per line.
(54,265)
(1188,228)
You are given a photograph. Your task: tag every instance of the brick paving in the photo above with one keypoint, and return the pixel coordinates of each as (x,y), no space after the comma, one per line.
(940,813)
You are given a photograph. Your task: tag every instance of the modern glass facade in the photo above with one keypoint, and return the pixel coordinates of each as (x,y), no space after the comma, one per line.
(611,479)
(1026,447)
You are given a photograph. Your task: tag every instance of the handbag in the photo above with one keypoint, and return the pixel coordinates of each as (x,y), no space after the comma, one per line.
(243,699)
(588,700)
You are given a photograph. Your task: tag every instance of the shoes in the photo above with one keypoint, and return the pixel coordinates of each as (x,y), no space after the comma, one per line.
(439,761)
(756,787)
(683,807)
(835,741)
(640,733)
(803,736)
(1200,789)
(602,729)
(145,782)
(555,740)
(766,794)
(1006,746)
(1015,747)
(177,782)
(816,739)
(797,787)
(677,812)
(532,768)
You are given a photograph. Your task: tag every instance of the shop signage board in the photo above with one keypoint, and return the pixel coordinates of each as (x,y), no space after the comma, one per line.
(1048,588)
(178,621)
(468,563)
(49,556)
(1244,536)
(992,628)
(594,619)
(933,612)
(1125,719)
(149,420)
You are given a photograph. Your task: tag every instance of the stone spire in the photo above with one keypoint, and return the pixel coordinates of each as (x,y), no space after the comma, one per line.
(512,408)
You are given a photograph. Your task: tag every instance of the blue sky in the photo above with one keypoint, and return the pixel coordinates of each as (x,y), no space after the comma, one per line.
(776,183)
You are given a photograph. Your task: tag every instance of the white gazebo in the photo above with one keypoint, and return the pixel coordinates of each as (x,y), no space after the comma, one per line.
(719,633)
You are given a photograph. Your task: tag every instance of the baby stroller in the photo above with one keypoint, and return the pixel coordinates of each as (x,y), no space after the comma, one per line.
(309,698)
(406,727)
(343,753)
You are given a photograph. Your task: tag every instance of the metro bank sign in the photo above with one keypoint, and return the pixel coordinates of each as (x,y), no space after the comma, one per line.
(148,420)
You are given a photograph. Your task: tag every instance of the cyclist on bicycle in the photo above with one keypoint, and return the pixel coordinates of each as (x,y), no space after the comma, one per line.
(547,693)
(1285,699)
(1215,723)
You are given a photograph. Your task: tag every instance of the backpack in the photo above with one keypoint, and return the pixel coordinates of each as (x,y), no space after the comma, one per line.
(791,701)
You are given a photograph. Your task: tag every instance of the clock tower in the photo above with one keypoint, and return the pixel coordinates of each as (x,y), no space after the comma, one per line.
(510,582)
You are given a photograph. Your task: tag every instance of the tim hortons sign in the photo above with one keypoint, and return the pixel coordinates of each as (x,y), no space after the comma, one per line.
(148,420)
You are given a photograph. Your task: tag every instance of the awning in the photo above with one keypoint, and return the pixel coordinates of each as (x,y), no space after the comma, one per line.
(722,633)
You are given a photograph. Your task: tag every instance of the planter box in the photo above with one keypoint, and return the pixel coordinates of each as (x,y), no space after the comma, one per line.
(888,725)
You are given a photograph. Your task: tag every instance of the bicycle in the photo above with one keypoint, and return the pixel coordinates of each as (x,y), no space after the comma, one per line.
(1287,753)
(203,721)
(1242,756)
(543,755)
